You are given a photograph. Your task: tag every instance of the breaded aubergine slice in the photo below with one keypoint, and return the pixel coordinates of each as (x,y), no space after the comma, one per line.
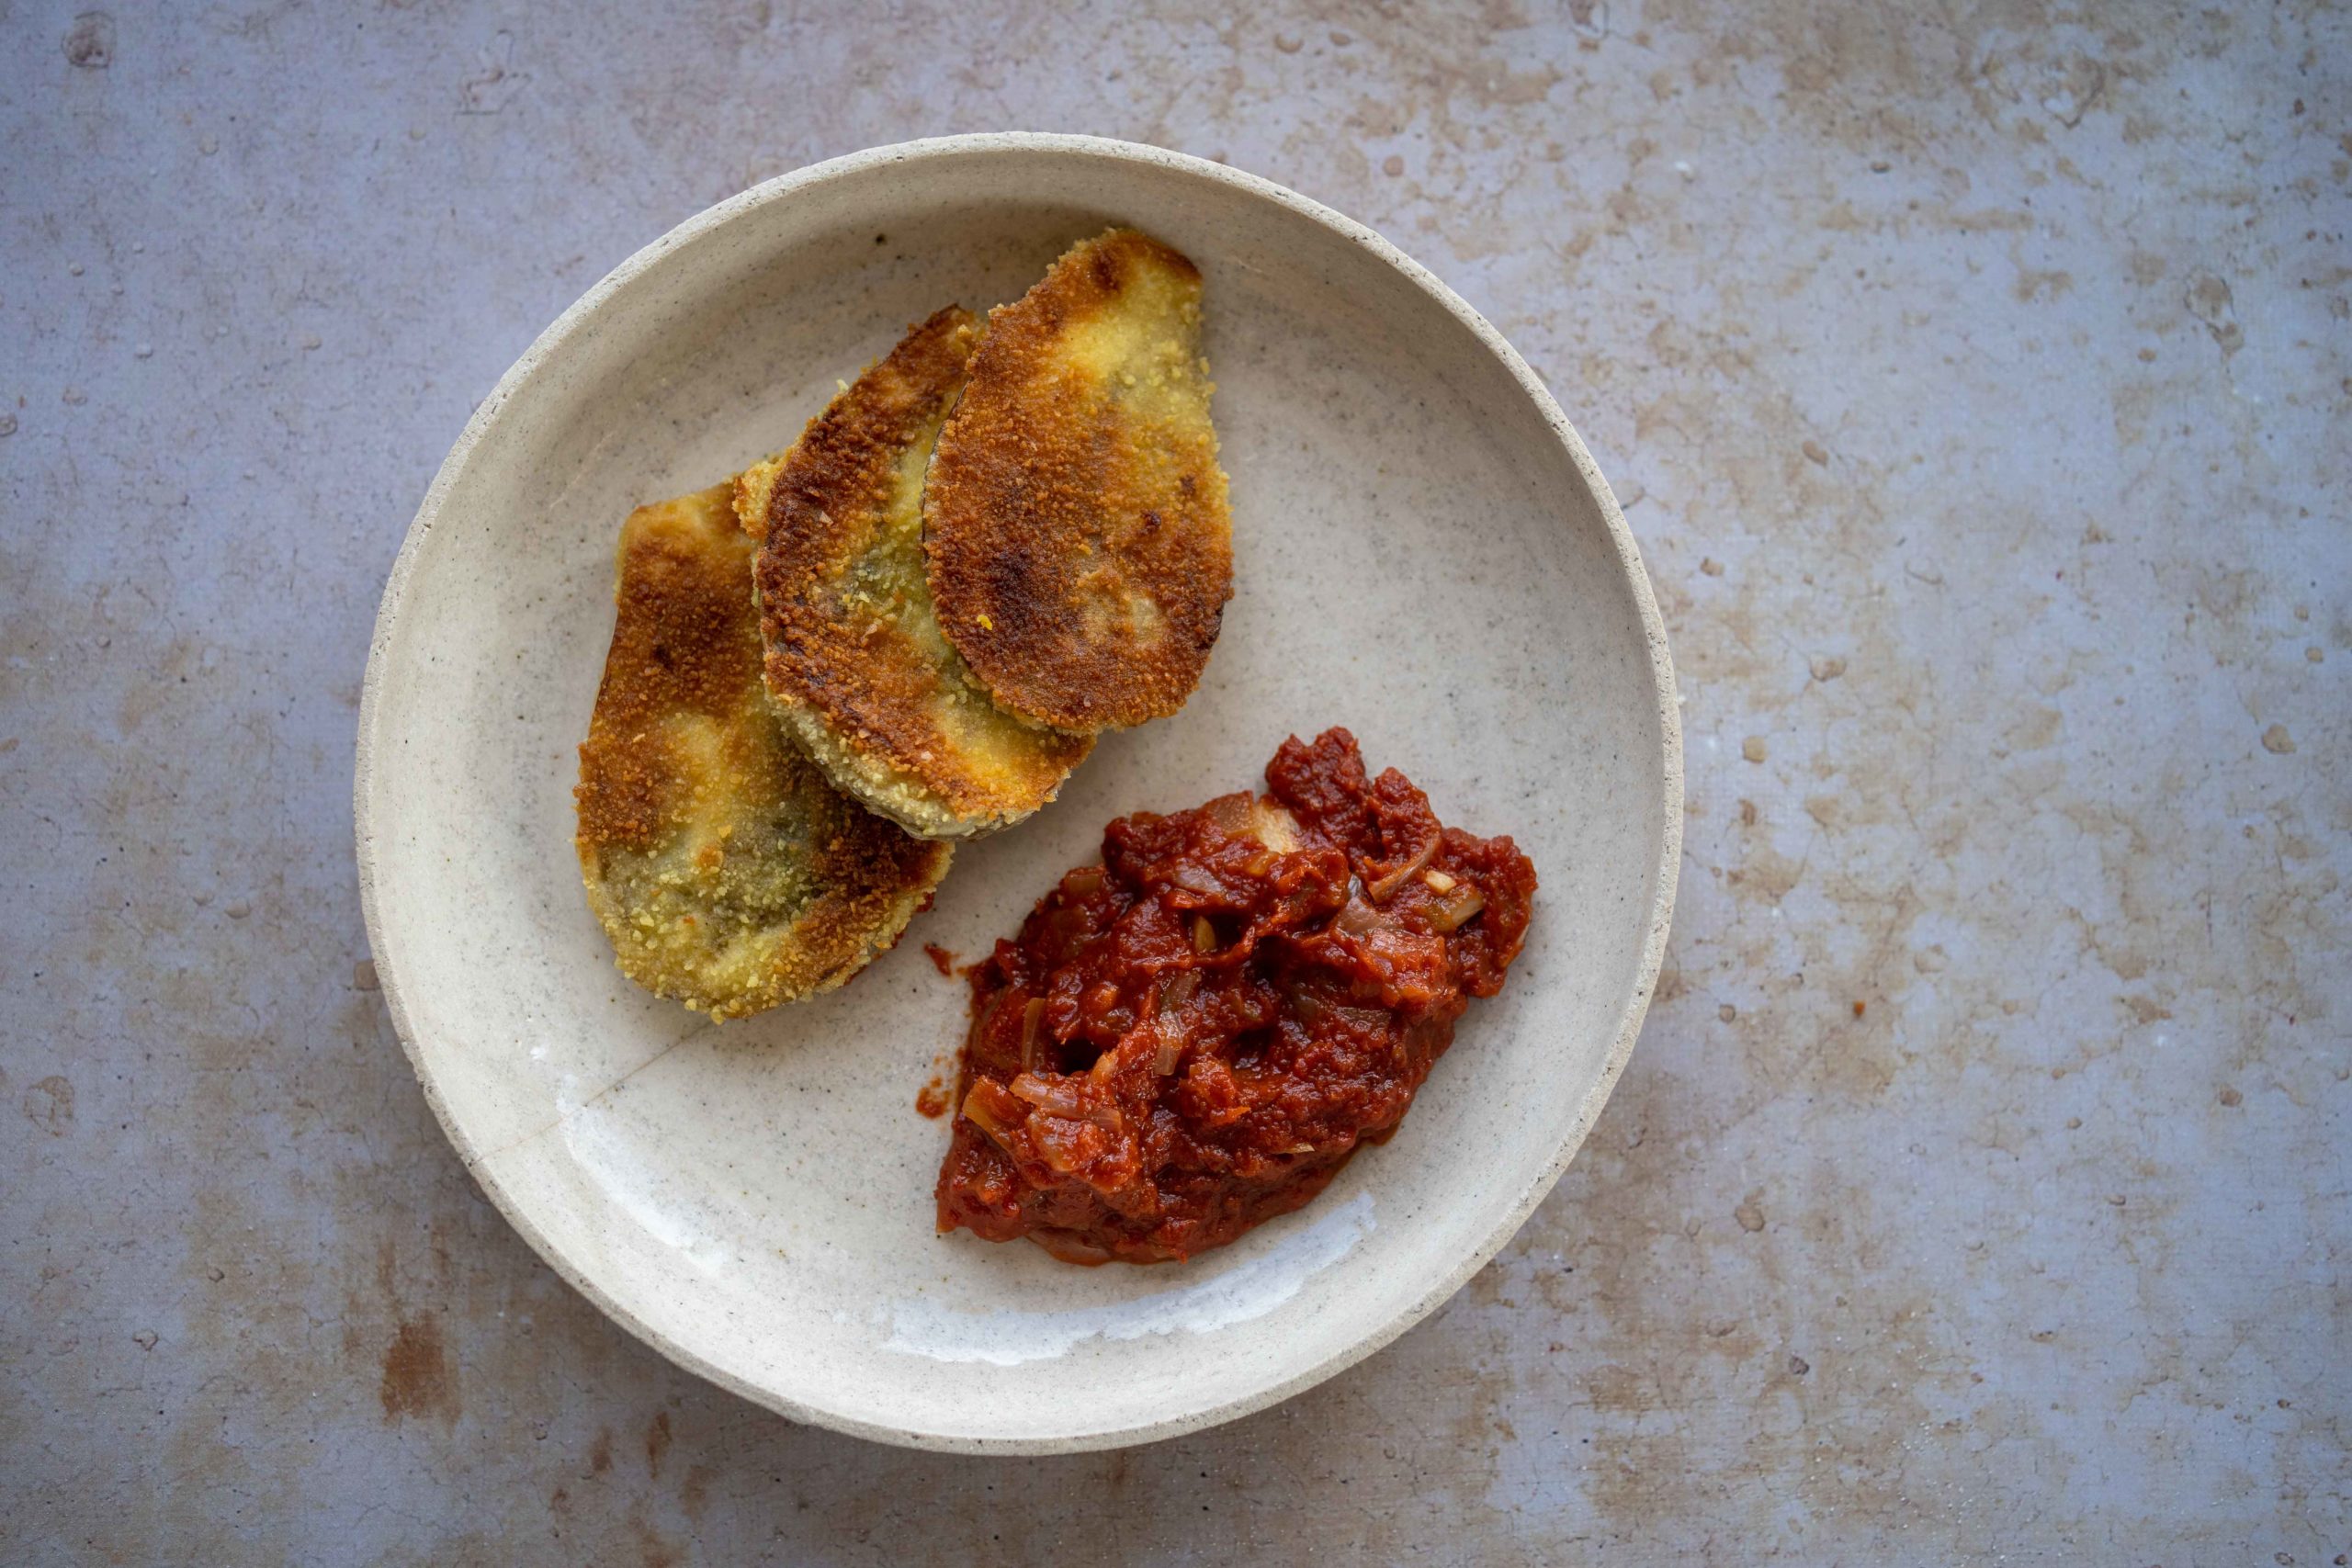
(1079,549)
(868,685)
(729,874)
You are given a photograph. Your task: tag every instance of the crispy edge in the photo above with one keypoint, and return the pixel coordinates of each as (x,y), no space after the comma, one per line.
(683,639)
(856,694)
(1020,495)
(678,645)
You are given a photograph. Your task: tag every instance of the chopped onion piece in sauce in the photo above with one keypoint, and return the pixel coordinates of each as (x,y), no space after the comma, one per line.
(1379,891)
(1170,1049)
(977,1112)
(1231,814)
(1032,1016)
(1273,826)
(1458,910)
(1060,1099)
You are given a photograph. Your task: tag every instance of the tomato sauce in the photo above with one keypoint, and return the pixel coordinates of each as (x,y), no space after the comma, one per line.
(1196,1034)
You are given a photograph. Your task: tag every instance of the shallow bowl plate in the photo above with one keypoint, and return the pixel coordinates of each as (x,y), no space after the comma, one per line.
(1423,552)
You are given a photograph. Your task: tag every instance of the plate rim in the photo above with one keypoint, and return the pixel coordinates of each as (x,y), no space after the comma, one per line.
(1664,869)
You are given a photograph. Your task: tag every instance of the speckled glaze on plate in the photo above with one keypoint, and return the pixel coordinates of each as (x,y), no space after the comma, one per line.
(1424,553)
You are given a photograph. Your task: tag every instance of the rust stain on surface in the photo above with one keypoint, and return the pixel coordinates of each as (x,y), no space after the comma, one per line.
(693,1493)
(420,1380)
(654,1549)
(657,1441)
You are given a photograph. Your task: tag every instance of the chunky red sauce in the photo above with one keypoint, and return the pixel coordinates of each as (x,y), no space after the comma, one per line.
(1196,1034)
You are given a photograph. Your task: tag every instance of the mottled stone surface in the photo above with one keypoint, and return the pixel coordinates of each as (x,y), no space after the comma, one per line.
(1977,384)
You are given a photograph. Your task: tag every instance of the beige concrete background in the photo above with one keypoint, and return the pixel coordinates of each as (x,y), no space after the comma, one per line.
(1977,380)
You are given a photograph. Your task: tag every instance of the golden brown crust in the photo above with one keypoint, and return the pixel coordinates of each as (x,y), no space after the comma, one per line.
(1079,549)
(678,648)
(877,695)
(729,874)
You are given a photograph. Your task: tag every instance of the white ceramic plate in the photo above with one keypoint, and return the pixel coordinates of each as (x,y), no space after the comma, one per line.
(1423,552)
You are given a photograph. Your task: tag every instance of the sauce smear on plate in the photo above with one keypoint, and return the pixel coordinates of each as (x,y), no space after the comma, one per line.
(1196,1034)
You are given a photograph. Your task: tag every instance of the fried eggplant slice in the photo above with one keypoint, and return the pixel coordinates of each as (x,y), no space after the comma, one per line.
(728,873)
(1075,527)
(868,684)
